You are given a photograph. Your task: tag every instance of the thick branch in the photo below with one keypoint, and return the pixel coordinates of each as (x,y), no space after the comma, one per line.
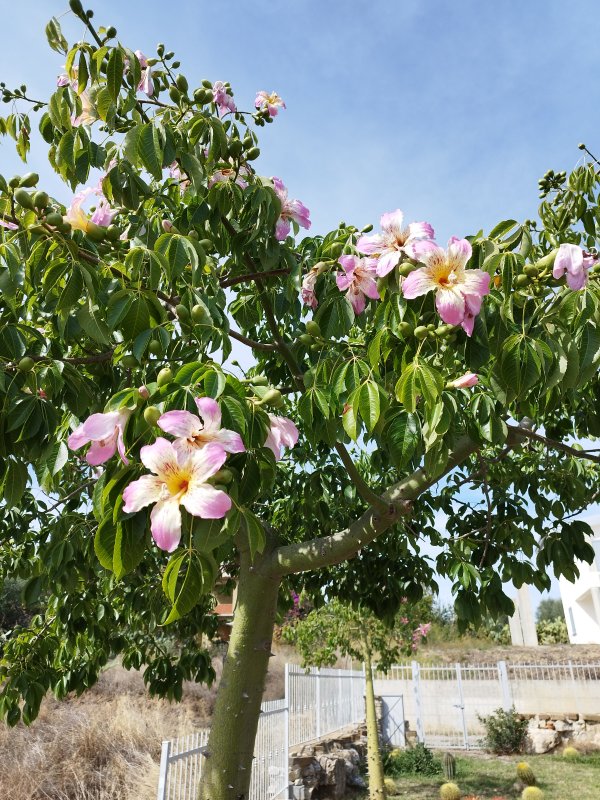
(526,433)
(267,348)
(340,546)
(251,276)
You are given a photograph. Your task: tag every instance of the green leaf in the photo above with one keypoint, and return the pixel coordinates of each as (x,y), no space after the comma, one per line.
(335,317)
(104,542)
(149,150)
(55,37)
(431,382)
(349,416)
(83,74)
(369,404)
(401,437)
(214,383)
(14,483)
(95,327)
(71,294)
(114,73)
(186,578)
(589,352)
(130,543)
(254,531)
(408,388)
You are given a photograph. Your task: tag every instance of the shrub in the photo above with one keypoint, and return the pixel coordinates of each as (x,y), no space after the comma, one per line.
(552,631)
(505,732)
(532,793)
(417,760)
(449,791)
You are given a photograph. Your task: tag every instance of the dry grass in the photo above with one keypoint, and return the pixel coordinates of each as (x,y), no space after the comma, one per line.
(471,650)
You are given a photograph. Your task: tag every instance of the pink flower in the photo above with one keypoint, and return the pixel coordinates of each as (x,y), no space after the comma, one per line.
(225,175)
(195,432)
(307,292)
(4,223)
(395,240)
(465,381)
(283,433)
(88,112)
(459,292)
(103,215)
(177,175)
(105,432)
(423,629)
(576,263)
(272,102)
(146,83)
(358,279)
(177,480)
(222,100)
(290,210)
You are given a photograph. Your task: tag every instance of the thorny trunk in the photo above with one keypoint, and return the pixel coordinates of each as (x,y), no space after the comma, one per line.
(228,766)
(375,766)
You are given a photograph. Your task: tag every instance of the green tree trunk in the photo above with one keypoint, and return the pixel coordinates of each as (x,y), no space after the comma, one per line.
(374,763)
(228,767)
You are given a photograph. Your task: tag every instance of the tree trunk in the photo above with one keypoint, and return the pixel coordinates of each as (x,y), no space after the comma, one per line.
(228,766)
(375,766)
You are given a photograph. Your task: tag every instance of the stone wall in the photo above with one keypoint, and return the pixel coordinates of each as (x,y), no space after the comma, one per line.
(329,767)
(547,732)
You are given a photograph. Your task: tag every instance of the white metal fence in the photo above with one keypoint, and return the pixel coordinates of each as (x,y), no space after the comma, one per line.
(316,703)
(443,703)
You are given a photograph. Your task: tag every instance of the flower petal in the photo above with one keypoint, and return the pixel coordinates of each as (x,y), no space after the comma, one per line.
(287,431)
(417,283)
(230,441)
(101,426)
(165,524)
(206,501)
(392,222)
(206,461)
(459,252)
(421,230)
(370,244)
(160,458)
(450,305)
(78,438)
(179,423)
(101,452)
(139,494)
(366,284)
(476,281)
(210,413)
(387,262)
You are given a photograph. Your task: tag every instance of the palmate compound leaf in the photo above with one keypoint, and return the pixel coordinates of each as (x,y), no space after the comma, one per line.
(188,577)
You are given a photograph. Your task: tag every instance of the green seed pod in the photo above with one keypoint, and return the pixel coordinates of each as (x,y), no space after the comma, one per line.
(306,339)
(431,327)
(199,96)
(531,270)
(182,84)
(29,179)
(273,398)
(313,328)
(14,181)
(182,312)
(199,313)
(421,332)
(206,244)
(164,376)
(223,476)
(152,414)
(193,234)
(76,7)
(129,361)
(405,328)
(335,249)
(252,154)
(235,148)
(207,84)
(112,233)
(54,218)
(174,94)
(25,364)
(111,32)
(155,347)
(257,380)
(24,199)
(95,232)
(40,199)
(406,268)
(521,281)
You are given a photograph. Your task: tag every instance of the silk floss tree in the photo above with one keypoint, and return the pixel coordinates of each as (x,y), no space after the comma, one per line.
(388,378)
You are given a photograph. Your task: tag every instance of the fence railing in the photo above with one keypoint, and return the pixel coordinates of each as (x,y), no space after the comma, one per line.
(316,702)
(443,704)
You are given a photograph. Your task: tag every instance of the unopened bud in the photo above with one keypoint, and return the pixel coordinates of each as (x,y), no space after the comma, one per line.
(143,392)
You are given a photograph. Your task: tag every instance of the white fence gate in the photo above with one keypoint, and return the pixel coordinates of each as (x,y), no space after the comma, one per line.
(443,703)
(392,720)
(317,702)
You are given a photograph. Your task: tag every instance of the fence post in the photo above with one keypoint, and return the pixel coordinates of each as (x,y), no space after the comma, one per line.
(286,720)
(461,705)
(164,770)
(418,704)
(318,702)
(339,716)
(505,685)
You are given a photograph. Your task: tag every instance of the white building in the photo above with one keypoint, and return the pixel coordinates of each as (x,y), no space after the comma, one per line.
(581,600)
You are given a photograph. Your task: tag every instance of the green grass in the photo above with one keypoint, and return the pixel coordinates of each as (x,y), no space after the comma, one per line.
(486,777)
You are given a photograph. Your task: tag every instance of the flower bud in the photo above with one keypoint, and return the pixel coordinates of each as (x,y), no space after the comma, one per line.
(421,332)
(174,94)
(40,199)
(54,218)
(143,392)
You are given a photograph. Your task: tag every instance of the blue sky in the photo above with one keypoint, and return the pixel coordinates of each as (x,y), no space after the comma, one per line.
(450,111)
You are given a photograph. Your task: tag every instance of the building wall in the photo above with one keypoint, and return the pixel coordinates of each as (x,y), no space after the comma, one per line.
(581,600)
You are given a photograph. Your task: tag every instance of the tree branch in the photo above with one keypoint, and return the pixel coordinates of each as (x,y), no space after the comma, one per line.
(521,432)
(340,546)
(251,276)
(267,348)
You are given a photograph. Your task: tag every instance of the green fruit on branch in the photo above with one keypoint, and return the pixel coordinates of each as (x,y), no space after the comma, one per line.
(113,233)
(199,313)
(152,414)
(26,364)
(29,179)
(421,332)
(24,199)
(41,199)
(272,398)
(313,329)
(164,376)
(182,312)
(531,270)
(129,361)
(182,83)
(252,154)
(306,339)
(521,281)
(54,218)
(406,329)
(155,347)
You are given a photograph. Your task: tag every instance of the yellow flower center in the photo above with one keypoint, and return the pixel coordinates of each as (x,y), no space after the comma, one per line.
(444,275)
(178,484)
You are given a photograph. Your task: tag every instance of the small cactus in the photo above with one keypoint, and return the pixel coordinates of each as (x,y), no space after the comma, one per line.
(525,773)
(532,793)
(570,752)
(390,786)
(450,791)
(449,766)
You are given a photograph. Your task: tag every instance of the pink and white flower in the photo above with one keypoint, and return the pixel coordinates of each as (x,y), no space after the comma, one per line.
(290,210)
(105,432)
(12,226)
(102,215)
(272,102)
(283,433)
(459,292)
(226,175)
(177,480)
(222,99)
(194,432)
(146,83)
(576,263)
(358,279)
(307,291)
(395,240)
(88,113)
(464,382)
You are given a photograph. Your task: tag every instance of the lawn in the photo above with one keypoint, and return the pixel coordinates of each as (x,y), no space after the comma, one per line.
(487,776)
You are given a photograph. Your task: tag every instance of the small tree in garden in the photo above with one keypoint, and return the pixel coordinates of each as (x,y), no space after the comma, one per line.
(339,629)
(386,377)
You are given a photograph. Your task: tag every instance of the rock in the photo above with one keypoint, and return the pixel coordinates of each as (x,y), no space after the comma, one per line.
(542,740)
(333,776)
(561,726)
